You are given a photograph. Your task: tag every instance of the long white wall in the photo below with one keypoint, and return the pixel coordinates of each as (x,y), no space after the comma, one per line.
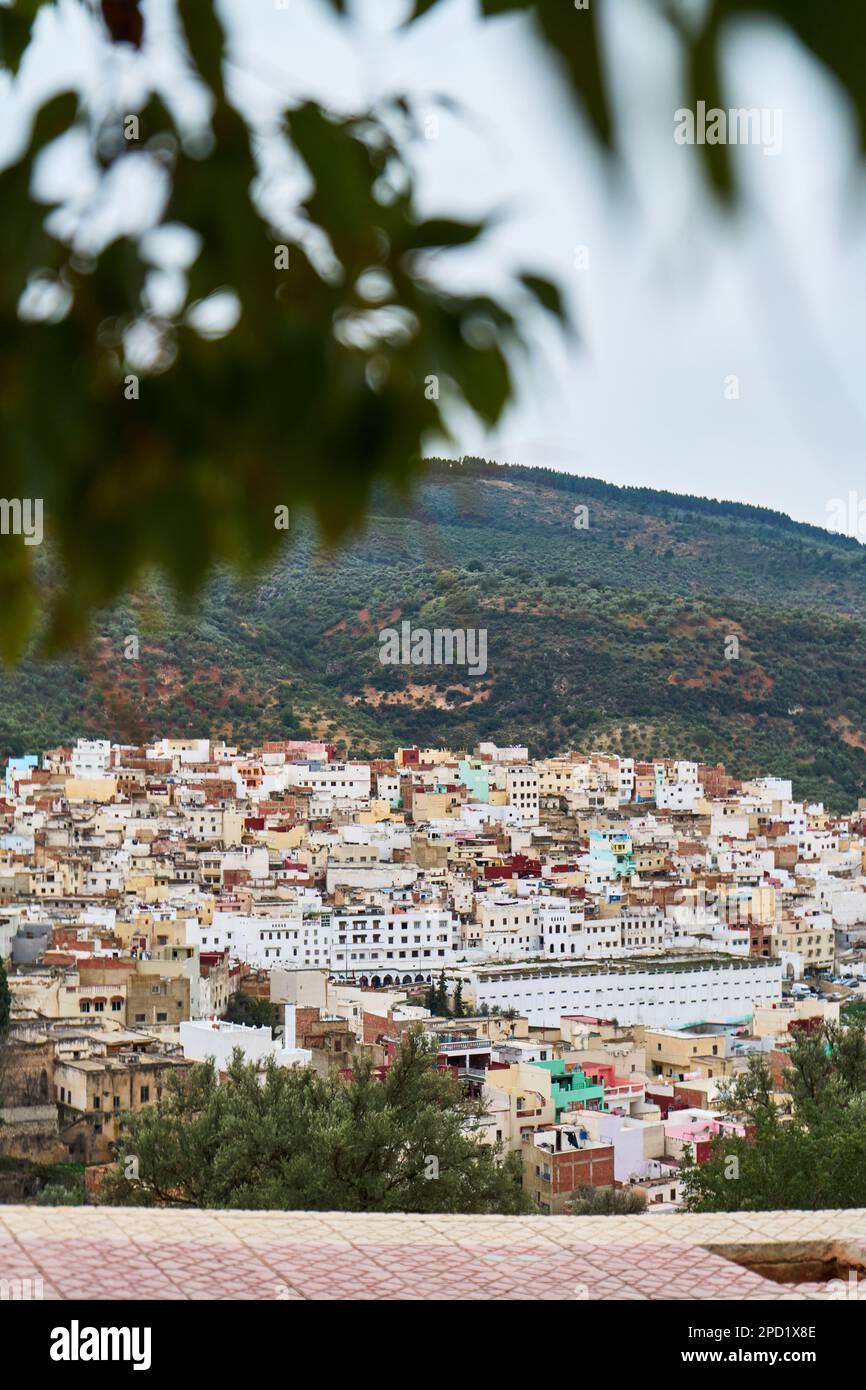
(671,997)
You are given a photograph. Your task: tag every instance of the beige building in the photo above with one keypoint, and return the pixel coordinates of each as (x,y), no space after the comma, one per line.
(56,995)
(676,1056)
(745,904)
(519,1101)
(90,788)
(93,1093)
(815,945)
(775,1022)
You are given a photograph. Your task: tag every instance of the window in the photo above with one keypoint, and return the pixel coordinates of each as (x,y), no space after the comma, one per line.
(145,1094)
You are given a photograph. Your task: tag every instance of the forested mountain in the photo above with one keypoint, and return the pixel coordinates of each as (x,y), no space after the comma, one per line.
(606,627)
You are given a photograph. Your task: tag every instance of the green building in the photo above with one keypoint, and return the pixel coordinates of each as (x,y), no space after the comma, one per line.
(571,1088)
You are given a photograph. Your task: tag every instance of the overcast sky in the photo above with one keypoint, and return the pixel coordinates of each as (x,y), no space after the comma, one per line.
(674,300)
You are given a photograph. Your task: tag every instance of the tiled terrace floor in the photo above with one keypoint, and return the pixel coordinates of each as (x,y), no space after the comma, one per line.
(107,1253)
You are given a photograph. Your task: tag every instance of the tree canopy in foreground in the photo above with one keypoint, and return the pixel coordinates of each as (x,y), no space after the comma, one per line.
(294,1140)
(811,1160)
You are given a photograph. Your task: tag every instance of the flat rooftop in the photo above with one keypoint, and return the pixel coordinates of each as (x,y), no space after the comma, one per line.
(625,966)
(105,1253)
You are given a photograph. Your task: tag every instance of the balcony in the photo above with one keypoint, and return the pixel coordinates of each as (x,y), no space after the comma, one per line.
(630,1091)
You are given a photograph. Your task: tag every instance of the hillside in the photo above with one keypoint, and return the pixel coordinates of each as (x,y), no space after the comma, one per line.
(608,636)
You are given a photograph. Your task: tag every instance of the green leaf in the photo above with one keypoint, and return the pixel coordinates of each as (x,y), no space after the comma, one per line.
(835,34)
(53,119)
(205,40)
(574,35)
(123,20)
(547,294)
(486,382)
(705,85)
(344,172)
(442,232)
(16,25)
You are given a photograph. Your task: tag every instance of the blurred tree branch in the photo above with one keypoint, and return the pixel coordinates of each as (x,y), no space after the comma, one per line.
(156,441)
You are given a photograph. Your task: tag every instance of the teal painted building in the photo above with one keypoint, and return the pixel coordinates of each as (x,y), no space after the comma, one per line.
(476,778)
(611,853)
(571,1088)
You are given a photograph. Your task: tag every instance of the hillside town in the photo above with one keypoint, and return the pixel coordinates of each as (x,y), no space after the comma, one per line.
(597,945)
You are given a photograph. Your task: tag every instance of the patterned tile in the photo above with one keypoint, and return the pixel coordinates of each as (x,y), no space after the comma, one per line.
(107,1253)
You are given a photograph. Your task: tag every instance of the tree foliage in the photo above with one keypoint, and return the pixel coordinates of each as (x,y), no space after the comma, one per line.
(607,1201)
(436,998)
(813,1159)
(5,1000)
(457,1007)
(158,440)
(296,1140)
(145,457)
(628,654)
(257,1013)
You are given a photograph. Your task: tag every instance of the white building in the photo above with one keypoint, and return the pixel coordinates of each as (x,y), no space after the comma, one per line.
(677,789)
(670,993)
(91,757)
(396,947)
(642,929)
(393,948)
(521,788)
(517,753)
(292,937)
(205,1038)
(333,781)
